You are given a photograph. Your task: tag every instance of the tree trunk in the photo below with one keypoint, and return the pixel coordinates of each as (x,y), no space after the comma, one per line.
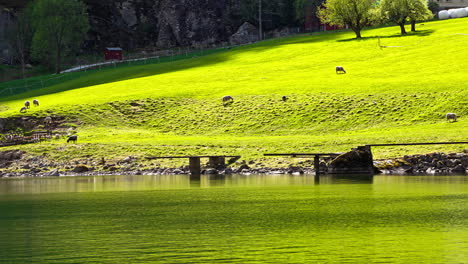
(23,62)
(357,32)
(22,57)
(57,61)
(260,22)
(402,27)
(413,25)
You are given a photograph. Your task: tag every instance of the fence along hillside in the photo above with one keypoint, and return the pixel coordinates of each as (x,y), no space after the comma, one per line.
(25,85)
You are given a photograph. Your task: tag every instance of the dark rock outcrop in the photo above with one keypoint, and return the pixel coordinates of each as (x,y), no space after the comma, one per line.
(357,161)
(189,23)
(160,23)
(27,123)
(80,168)
(10,155)
(54,172)
(427,163)
(246,33)
(7,21)
(133,24)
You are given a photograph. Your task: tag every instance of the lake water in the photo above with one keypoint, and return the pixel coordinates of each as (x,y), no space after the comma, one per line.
(234,219)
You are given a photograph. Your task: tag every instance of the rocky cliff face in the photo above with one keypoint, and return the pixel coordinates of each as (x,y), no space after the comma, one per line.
(161,23)
(185,22)
(132,24)
(7,21)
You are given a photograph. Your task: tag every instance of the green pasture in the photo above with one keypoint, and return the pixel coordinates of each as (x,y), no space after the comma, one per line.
(397,89)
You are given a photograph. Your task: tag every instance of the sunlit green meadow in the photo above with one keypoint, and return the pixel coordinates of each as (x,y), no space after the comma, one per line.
(397,89)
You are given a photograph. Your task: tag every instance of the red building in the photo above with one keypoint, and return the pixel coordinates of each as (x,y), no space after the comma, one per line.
(113,54)
(312,22)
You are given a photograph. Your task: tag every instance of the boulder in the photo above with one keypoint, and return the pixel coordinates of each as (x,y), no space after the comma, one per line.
(127,159)
(244,167)
(198,24)
(246,33)
(178,171)
(211,171)
(10,155)
(80,168)
(227,171)
(245,171)
(459,169)
(54,172)
(357,161)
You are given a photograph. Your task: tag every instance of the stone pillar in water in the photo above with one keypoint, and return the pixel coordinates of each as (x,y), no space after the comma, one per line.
(194,165)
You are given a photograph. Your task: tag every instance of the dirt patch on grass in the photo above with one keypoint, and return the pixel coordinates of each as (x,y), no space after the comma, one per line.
(27,124)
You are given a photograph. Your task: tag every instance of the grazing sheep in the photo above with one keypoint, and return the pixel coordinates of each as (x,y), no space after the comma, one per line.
(340,69)
(73,138)
(284,98)
(27,104)
(451,116)
(36,102)
(23,109)
(227,98)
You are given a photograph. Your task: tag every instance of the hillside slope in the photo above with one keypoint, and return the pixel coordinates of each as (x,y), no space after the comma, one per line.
(397,89)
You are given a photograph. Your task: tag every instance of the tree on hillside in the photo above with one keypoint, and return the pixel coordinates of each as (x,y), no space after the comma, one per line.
(21,37)
(302,5)
(60,27)
(271,13)
(356,14)
(433,6)
(396,11)
(419,11)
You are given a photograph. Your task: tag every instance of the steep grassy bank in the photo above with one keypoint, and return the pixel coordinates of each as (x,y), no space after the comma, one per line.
(397,93)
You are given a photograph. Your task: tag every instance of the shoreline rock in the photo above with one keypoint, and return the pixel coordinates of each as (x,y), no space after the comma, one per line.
(431,163)
(426,164)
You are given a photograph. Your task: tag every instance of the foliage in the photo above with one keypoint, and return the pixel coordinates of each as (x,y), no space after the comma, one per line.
(354,13)
(60,27)
(433,6)
(400,11)
(302,5)
(21,37)
(419,11)
(275,13)
(389,95)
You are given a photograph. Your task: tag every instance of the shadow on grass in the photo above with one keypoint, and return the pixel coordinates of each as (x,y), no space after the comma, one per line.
(76,80)
(84,79)
(312,37)
(420,33)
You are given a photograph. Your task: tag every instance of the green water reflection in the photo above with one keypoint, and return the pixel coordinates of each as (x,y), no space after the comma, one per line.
(234,219)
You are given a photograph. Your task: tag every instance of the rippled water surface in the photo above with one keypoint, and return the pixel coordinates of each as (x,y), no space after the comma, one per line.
(234,219)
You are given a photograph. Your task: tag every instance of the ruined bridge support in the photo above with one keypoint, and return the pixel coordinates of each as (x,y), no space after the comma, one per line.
(217,162)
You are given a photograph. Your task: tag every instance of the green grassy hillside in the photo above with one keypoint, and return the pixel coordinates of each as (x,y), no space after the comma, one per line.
(396,93)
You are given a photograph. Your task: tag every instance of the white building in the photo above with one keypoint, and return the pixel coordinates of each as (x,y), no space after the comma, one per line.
(447,4)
